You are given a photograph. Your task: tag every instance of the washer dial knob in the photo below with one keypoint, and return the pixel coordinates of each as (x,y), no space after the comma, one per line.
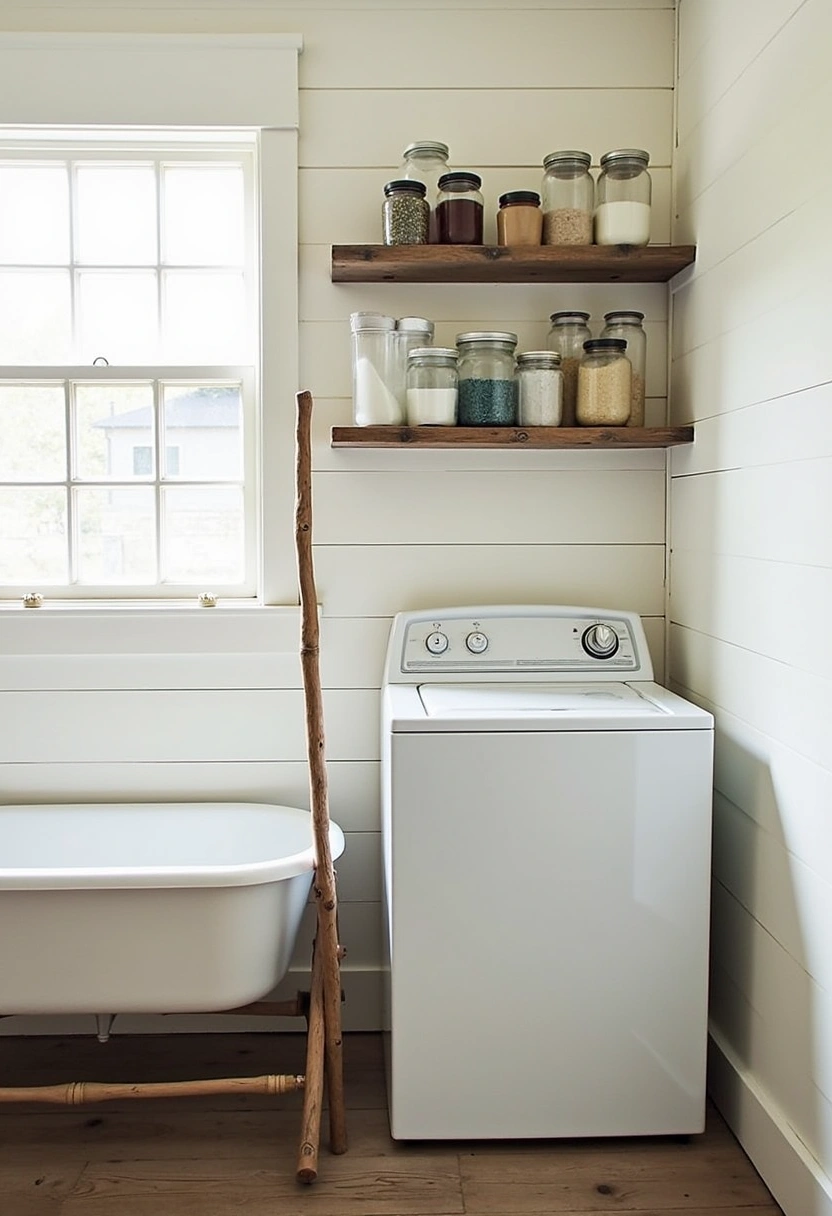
(477,642)
(436,642)
(600,641)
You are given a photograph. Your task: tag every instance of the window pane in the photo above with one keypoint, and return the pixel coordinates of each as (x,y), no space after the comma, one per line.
(203,535)
(35,316)
(34,214)
(33,549)
(110,420)
(117,535)
(118,316)
(116,218)
(204,318)
(32,433)
(206,425)
(203,222)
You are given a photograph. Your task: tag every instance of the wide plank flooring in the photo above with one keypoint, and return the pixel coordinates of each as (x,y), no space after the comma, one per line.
(218,1156)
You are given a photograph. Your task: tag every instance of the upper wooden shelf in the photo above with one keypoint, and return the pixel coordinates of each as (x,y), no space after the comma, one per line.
(609,437)
(509,264)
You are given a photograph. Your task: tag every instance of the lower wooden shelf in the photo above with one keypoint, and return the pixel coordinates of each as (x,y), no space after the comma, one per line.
(536,437)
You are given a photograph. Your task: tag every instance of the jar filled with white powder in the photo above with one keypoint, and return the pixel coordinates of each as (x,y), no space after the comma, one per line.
(373,395)
(432,381)
(539,388)
(623,195)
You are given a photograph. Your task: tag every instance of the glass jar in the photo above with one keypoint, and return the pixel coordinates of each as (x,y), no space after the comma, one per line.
(567,336)
(426,161)
(627,325)
(459,210)
(539,388)
(374,401)
(622,198)
(405,213)
(432,380)
(409,332)
(519,220)
(487,383)
(568,199)
(604,384)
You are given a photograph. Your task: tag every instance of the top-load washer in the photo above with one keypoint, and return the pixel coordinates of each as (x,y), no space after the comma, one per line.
(546,824)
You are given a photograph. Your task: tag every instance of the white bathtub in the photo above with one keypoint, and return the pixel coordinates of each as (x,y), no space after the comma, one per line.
(149,907)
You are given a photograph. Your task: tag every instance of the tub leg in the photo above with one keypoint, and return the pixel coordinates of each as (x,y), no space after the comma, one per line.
(103,1026)
(313,1093)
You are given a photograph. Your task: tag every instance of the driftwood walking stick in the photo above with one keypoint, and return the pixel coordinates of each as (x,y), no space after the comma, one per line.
(325,999)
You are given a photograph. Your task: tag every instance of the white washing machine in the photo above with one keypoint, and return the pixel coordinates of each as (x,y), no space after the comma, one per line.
(546,828)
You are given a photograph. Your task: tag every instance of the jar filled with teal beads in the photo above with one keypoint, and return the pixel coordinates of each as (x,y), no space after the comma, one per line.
(487,381)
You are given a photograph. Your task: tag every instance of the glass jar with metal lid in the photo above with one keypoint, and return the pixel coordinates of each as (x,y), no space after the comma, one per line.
(567,336)
(459,209)
(604,384)
(487,383)
(409,333)
(426,161)
(405,213)
(627,325)
(432,381)
(622,198)
(568,199)
(539,388)
(519,220)
(374,399)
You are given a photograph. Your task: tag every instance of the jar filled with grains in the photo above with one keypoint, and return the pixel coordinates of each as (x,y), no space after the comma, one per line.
(604,384)
(627,325)
(426,161)
(539,388)
(459,209)
(405,213)
(623,195)
(567,336)
(432,381)
(519,220)
(487,383)
(568,199)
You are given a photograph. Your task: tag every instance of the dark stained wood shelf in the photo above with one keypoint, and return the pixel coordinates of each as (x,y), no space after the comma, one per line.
(507,264)
(535,437)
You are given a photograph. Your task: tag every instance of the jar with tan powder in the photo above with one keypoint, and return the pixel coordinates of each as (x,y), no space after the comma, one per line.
(567,336)
(604,384)
(519,220)
(568,199)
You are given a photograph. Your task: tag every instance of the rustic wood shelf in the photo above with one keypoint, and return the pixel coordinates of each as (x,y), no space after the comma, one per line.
(535,437)
(507,264)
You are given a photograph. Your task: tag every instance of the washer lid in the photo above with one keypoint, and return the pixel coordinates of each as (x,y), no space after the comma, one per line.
(533,700)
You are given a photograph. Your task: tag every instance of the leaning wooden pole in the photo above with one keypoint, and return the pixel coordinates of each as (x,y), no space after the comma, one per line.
(313,1094)
(326,942)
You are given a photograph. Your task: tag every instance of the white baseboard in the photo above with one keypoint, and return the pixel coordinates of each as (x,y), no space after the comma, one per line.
(361,1011)
(795,1178)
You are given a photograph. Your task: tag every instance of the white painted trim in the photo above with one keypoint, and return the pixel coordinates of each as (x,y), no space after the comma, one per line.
(794,1177)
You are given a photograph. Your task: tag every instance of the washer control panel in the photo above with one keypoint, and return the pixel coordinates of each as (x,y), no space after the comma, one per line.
(522,641)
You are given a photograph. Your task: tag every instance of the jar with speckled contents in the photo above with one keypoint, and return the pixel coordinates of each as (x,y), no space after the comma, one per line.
(487,381)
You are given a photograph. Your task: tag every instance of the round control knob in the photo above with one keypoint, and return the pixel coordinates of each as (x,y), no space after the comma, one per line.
(436,642)
(600,641)
(477,643)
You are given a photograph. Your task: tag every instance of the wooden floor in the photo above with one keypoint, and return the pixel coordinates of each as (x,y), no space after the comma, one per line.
(221,1156)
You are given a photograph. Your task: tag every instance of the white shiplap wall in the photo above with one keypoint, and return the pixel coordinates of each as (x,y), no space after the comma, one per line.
(751,560)
(503,84)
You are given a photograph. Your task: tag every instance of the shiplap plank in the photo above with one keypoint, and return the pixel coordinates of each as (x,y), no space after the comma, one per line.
(42,13)
(764,606)
(781,701)
(776,513)
(325,349)
(520,130)
(156,726)
(383,579)
(357,218)
(353,784)
(415,508)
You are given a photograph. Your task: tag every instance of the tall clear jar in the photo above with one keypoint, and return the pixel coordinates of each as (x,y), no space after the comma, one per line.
(622,198)
(426,161)
(373,397)
(432,384)
(539,388)
(487,383)
(568,199)
(627,325)
(567,336)
(604,384)
(409,333)
(459,209)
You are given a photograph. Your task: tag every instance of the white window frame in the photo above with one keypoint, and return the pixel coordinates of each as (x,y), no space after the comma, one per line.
(102,80)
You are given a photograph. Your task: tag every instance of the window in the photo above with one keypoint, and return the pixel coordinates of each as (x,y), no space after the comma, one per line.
(138,411)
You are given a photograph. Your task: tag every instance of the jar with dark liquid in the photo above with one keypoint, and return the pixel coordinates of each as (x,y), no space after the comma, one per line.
(459,209)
